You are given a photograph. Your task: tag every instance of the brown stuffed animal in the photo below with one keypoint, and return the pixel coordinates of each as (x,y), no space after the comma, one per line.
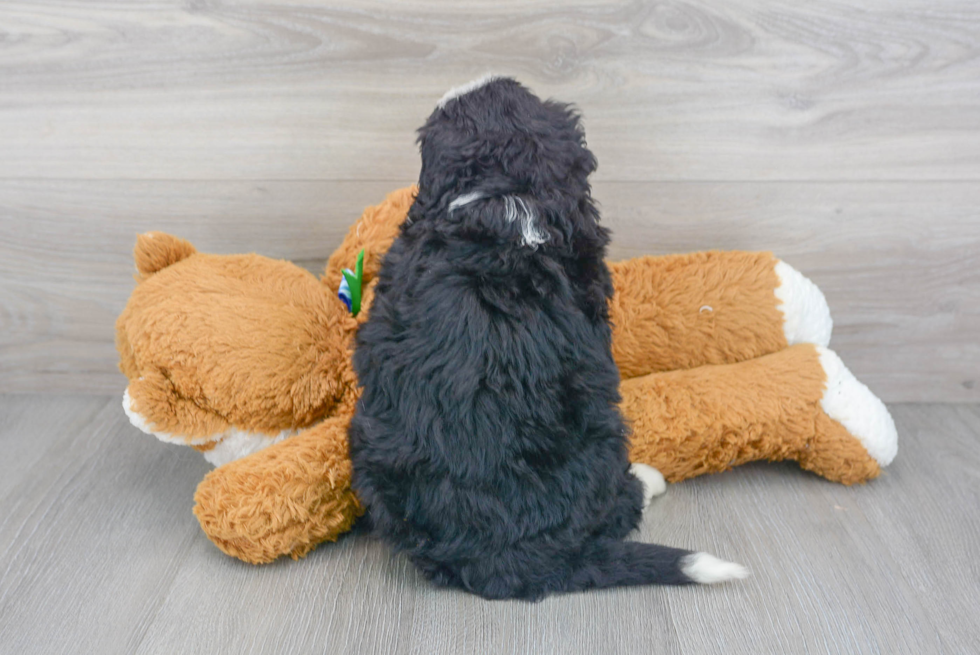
(722,354)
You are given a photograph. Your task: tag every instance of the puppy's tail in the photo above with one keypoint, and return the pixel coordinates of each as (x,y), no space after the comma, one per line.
(611,563)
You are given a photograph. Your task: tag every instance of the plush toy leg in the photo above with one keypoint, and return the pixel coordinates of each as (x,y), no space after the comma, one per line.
(283,500)
(684,311)
(799,404)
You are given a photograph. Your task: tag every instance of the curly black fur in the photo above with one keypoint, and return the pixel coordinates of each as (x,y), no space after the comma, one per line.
(488,444)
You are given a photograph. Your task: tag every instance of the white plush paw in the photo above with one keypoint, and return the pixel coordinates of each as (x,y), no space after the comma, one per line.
(652,480)
(806,315)
(708,569)
(850,403)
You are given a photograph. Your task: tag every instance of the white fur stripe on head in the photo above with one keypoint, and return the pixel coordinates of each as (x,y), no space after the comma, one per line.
(463,200)
(463,89)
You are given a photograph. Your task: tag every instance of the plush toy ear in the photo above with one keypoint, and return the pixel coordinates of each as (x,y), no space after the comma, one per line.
(155,251)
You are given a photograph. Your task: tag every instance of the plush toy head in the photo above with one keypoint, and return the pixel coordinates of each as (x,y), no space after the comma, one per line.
(232,353)
(227,352)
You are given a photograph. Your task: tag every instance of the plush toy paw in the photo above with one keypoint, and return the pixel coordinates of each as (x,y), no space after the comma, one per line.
(855,434)
(806,315)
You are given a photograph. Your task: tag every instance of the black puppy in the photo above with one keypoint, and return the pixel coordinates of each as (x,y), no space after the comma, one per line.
(488,443)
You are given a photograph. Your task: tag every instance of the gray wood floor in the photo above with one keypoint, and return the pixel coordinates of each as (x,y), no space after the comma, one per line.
(101,554)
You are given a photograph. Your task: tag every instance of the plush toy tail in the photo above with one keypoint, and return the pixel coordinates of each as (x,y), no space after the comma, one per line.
(613,563)
(155,251)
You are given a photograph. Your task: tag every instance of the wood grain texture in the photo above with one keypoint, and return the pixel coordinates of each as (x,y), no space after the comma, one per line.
(101,554)
(75,565)
(899,262)
(842,136)
(333,90)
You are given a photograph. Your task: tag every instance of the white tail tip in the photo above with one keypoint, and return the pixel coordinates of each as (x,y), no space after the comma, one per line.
(708,569)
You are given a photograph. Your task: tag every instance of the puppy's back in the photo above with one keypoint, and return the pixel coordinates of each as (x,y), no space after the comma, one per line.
(488,444)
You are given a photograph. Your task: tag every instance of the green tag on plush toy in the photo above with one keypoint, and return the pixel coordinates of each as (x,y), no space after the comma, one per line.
(350,286)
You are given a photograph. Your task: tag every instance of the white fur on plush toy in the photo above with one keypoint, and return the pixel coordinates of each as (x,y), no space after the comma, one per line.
(229,445)
(806,319)
(806,315)
(849,402)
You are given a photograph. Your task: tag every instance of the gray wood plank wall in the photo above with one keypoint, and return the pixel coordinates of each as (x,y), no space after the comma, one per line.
(843,136)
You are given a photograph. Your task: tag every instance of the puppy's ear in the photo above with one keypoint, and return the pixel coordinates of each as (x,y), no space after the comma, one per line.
(444,170)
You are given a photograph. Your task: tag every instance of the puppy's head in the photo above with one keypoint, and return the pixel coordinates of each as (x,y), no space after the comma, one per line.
(495,157)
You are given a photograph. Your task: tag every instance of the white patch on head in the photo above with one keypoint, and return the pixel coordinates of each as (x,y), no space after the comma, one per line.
(806,316)
(652,480)
(515,208)
(231,444)
(851,403)
(462,90)
(708,569)
(464,199)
